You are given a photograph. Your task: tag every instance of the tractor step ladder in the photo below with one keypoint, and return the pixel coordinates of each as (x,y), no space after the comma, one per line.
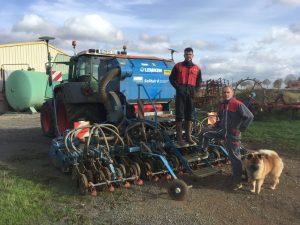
(193,157)
(205,172)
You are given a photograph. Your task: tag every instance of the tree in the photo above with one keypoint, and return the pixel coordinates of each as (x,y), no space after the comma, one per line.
(290,77)
(277,83)
(266,82)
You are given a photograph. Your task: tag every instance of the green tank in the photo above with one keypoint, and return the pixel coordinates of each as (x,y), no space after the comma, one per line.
(27,89)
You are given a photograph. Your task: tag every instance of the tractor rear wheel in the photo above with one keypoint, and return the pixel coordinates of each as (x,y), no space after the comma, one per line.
(47,119)
(61,113)
(68,113)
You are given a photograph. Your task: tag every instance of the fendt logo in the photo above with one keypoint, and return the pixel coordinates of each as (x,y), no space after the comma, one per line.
(150,70)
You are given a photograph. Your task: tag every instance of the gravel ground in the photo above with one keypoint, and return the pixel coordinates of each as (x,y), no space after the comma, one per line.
(210,201)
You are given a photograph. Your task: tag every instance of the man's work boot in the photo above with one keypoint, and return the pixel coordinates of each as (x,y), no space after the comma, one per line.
(180,143)
(188,131)
(237,186)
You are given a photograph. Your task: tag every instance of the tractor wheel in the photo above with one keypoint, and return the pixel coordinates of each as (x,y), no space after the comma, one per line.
(178,190)
(61,113)
(67,113)
(47,119)
(57,164)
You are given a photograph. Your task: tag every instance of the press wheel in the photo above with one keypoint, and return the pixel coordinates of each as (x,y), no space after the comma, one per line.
(178,190)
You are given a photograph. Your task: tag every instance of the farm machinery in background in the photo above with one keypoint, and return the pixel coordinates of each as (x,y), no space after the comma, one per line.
(258,98)
(210,94)
(252,93)
(113,124)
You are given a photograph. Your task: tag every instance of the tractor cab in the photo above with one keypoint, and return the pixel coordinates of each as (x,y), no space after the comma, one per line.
(85,65)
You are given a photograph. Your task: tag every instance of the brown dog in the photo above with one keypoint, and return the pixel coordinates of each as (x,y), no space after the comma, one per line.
(259,164)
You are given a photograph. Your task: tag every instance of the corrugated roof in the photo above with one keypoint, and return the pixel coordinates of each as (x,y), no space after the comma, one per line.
(31,43)
(23,55)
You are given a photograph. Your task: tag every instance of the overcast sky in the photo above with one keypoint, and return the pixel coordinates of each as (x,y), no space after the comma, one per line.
(231,39)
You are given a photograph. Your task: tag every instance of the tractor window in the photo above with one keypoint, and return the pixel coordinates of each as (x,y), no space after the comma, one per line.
(95,61)
(87,65)
(104,67)
(80,69)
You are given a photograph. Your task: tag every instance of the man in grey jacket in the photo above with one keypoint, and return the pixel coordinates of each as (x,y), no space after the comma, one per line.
(234,118)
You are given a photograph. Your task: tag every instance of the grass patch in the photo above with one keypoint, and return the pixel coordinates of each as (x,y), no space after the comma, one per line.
(24,201)
(274,133)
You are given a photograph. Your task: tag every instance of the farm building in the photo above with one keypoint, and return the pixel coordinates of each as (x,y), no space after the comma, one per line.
(293,84)
(26,56)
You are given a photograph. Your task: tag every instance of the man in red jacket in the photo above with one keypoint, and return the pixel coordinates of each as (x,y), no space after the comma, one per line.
(234,118)
(186,79)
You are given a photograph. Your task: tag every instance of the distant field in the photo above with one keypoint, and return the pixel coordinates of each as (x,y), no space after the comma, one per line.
(271,95)
(280,133)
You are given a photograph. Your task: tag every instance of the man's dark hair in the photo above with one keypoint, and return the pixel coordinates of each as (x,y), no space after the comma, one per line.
(188,49)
